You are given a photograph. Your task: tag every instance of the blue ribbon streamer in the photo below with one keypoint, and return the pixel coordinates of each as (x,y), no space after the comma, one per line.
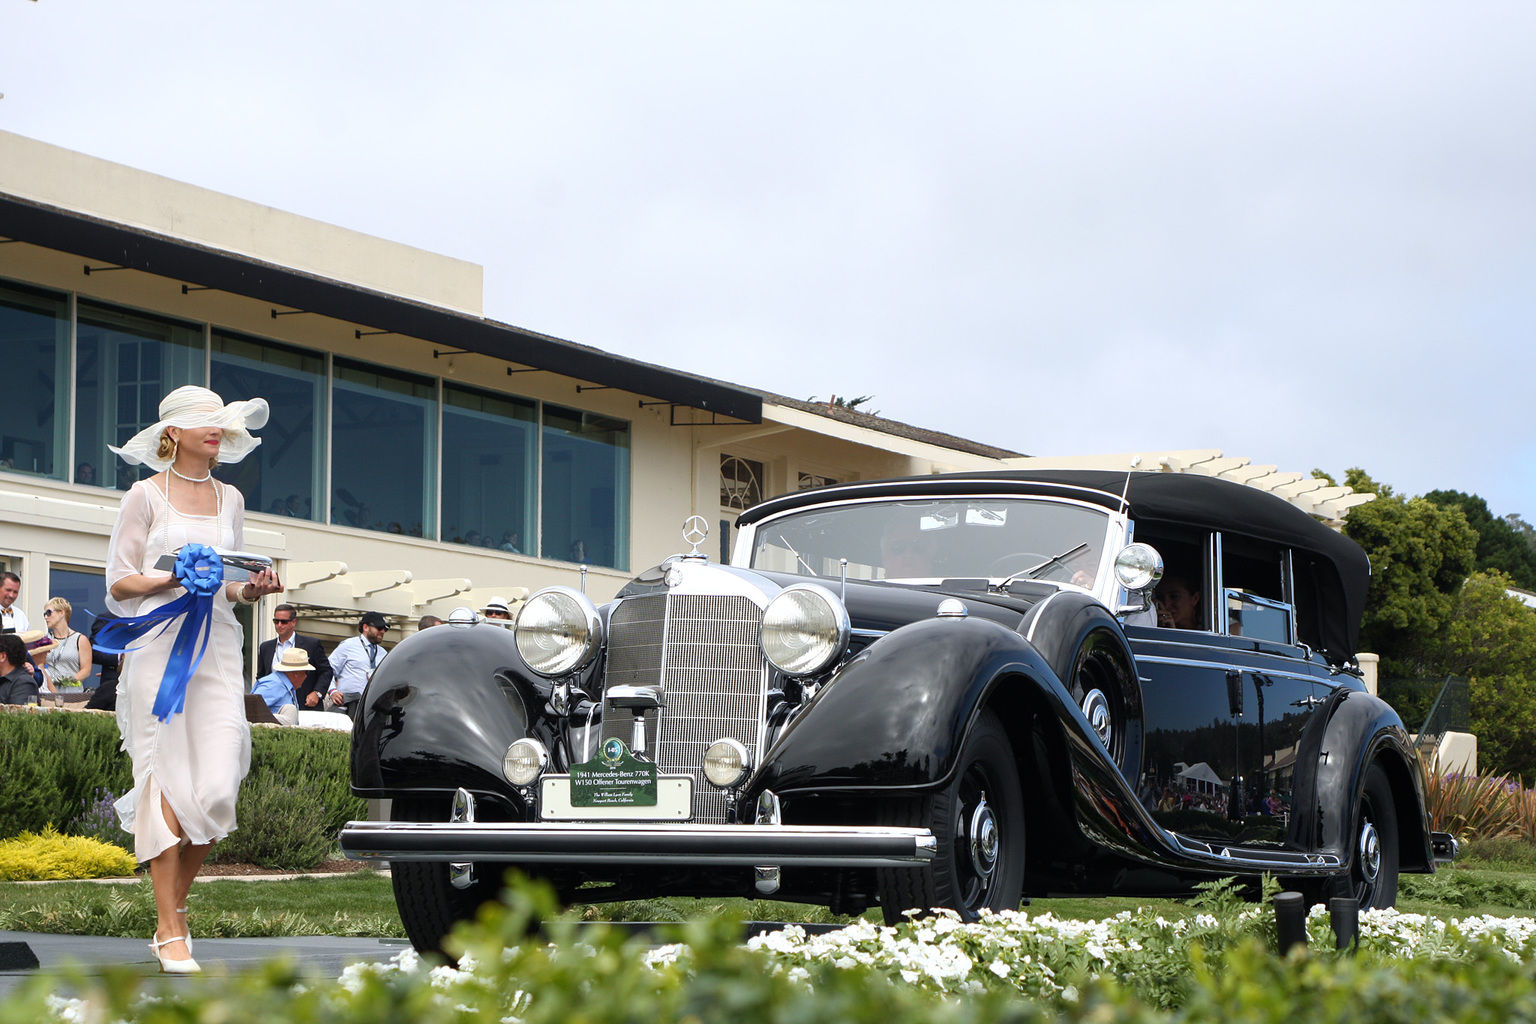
(200,569)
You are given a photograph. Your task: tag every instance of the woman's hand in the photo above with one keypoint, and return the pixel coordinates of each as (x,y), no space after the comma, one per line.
(260,584)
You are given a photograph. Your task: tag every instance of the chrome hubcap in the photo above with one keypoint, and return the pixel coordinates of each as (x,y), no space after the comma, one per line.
(983,839)
(1370,853)
(1096,710)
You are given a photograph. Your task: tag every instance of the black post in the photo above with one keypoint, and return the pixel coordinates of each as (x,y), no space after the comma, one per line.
(1291,920)
(1344,913)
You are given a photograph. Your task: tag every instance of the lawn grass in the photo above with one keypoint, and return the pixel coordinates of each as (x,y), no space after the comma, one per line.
(1491,879)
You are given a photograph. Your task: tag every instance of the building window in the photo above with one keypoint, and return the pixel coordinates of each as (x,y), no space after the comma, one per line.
(125,363)
(86,592)
(383,449)
(585,506)
(809,480)
(285,475)
(741,482)
(34,334)
(490,460)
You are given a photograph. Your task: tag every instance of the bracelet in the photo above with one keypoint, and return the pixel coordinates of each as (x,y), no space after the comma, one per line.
(240,595)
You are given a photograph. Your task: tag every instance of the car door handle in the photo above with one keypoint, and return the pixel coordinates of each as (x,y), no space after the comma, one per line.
(1307,702)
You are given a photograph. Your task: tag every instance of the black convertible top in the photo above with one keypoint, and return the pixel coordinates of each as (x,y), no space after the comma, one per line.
(1175,498)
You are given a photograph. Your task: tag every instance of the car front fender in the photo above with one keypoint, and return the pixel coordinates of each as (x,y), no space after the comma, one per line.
(434,718)
(894,717)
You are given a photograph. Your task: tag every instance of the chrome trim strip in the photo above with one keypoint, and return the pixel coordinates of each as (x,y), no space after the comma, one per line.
(1257,858)
(1228,667)
(636,843)
(1039,613)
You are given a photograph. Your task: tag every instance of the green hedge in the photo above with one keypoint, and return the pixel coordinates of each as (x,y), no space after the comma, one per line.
(64,768)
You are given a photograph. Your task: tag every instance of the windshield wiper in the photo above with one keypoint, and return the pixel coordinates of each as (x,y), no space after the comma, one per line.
(798,557)
(1061,559)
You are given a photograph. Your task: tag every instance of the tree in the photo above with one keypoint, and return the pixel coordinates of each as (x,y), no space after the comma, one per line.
(1491,640)
(1499,545)
(1420,555)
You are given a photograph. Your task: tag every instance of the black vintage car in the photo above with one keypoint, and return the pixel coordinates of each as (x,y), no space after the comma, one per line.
(951,691)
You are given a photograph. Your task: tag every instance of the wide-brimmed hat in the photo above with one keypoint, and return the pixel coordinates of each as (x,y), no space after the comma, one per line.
(191,406)
(294,659)
(38,642)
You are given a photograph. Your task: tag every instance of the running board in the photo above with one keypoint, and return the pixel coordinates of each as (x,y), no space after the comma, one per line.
(1257,858)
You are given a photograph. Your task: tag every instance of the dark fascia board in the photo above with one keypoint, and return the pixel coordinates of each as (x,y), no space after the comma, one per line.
(179,260)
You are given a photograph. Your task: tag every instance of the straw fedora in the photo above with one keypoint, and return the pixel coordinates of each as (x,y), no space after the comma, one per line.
(38,643)
(294,659)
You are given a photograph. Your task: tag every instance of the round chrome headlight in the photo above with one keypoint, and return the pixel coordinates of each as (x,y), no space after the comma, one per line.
(524,761)
(726,763)
(558,631)
(1138,566)
(805,629)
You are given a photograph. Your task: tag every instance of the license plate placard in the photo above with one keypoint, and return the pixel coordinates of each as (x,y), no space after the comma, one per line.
(616,784)
(674,802)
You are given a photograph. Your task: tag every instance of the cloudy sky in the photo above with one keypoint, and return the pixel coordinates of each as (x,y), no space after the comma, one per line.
(1301,233)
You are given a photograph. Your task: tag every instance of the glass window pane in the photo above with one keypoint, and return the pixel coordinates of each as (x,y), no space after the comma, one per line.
(118,353)
(285,474)
(490,444)
(34,335)
(383,449)
(586,488)
(86,592)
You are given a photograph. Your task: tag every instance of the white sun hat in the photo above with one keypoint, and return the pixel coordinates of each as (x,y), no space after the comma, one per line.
(191,406)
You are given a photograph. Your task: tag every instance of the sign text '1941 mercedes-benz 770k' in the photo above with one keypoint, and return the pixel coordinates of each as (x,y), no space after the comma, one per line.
(951,691)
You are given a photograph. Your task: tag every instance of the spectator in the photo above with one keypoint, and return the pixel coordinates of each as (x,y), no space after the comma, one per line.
(511,541)
(278,687)
(311,691)
(85,473)
(497,608)
(17,684)
(11,617)
(428,621)
(354,662)
(105,697)
(472,538)
(1178,603)
(69,663)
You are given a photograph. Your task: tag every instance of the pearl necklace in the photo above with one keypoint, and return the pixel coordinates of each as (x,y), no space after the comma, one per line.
(192,479)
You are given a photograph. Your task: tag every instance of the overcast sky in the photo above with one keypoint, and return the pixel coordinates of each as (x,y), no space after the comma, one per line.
(1301,233)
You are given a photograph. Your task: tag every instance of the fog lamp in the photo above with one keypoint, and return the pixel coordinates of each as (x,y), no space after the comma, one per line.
(524,762)
(726,763)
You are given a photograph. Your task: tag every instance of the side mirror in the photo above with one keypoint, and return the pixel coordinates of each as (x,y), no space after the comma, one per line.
(1138,567)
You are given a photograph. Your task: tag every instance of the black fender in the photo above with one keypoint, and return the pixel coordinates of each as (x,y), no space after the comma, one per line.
(894,717)
(1070,626)
(1351,730)
(435,717)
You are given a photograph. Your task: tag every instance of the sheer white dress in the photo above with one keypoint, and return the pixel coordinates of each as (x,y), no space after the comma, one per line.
(196,760)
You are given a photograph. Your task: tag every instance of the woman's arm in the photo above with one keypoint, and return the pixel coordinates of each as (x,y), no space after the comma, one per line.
(85,658)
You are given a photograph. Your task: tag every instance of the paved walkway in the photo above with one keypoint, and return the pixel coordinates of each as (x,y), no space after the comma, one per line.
(325,955)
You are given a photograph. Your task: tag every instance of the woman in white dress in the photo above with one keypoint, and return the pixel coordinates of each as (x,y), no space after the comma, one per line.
(187,769)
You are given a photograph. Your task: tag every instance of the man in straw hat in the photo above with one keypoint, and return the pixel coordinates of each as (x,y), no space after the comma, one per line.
(277,687)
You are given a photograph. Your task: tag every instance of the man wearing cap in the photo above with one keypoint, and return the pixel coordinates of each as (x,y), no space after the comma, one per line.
(497,608)
(314,687)
(353,663)
(277,686)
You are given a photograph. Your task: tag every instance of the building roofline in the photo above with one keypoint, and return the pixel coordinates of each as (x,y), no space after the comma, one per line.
(192,263)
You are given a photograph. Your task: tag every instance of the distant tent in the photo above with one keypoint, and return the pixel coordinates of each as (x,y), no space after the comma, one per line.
(1201,778)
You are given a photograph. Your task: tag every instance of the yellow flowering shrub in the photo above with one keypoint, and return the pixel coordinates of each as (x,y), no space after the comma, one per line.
(49,855)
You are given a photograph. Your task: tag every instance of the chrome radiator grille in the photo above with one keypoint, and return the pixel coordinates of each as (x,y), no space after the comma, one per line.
(704,651)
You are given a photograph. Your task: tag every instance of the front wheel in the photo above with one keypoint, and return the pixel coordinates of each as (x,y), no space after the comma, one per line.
(978,820)
(428,901)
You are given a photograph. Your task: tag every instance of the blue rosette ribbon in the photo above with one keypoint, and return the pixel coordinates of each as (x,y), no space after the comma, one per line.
(200,570)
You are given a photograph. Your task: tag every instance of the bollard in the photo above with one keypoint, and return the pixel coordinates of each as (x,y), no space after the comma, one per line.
(1344,914)
(1290,920)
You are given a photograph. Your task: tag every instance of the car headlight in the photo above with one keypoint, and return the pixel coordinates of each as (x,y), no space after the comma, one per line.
(726,763)
(558,631)
(524,761)
(1138,566)
(805,629)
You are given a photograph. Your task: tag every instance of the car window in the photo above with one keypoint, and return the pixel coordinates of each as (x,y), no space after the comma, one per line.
(937,539)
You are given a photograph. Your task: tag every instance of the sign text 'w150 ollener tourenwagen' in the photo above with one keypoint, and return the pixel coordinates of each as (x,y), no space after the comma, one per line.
(951,691)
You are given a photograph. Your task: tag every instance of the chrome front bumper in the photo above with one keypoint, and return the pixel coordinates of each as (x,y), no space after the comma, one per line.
(836,846)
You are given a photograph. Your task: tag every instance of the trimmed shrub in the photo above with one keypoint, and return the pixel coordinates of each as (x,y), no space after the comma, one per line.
(49,855)
(52,764)
(278,828)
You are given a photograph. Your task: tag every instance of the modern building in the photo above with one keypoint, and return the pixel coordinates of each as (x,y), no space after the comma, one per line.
(420,456)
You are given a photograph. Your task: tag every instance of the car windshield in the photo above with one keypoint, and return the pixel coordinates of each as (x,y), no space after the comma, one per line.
(926,539)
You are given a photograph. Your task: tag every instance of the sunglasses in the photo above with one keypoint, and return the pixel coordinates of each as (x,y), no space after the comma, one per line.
(282,622)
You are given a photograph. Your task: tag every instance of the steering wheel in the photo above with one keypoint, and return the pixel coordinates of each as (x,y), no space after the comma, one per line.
(1015,562)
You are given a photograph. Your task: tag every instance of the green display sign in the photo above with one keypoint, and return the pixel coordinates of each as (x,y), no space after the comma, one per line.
(614,778)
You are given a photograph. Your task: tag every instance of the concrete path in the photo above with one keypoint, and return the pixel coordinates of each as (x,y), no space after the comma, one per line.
(326,956)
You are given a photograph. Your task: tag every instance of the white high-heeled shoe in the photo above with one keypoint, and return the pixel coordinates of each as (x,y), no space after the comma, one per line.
(169,966)
(188,936)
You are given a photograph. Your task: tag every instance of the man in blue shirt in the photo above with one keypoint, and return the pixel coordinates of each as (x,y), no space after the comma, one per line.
(353,663)
(277,686)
